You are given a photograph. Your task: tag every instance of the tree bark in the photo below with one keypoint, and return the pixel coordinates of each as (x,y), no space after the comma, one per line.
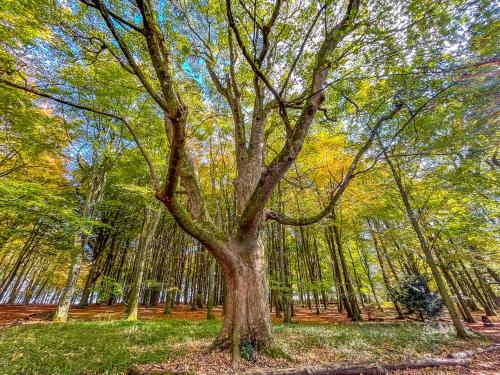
(61,313)
(247,317)
(351,296)
(459,328)
(148,229)
(211,289)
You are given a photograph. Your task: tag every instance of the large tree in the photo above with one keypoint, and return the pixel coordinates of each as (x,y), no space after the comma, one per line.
(276,68)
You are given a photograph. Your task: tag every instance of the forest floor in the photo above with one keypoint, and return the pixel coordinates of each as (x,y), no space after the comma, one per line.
(97,341)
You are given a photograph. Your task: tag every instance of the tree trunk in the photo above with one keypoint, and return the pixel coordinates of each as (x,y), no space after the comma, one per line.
(486,293)
(366,267)
(285,295)
(461,302)
(247,318)
(148,229)
(93,197)
(211,289)
(474,290)
(341,293)
(493,274)
(21,278)
(61,313)
(384,273)
(84,301)
(351,297)
(466,290)
(427,251)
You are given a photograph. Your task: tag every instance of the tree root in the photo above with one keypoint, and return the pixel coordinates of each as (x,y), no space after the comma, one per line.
(219,344)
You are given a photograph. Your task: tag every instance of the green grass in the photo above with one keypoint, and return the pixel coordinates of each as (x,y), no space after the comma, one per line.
(94,347)
(365,342)
(110,347)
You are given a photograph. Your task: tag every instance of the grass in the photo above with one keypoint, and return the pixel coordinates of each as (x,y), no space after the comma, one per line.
(94,347)
(366,342)
(110,347)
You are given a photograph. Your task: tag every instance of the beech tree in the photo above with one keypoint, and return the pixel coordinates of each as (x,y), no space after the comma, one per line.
(276,69)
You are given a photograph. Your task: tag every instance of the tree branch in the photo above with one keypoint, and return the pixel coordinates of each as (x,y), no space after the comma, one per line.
(35,91)
(282,162)
(270,215)
(128,54)
(119,19)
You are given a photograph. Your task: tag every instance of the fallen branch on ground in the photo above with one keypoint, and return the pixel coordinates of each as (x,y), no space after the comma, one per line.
(455,359)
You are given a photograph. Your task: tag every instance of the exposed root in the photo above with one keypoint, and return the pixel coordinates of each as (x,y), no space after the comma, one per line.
(219,344)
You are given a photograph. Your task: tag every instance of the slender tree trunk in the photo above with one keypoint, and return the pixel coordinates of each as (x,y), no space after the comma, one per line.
(285,294)
(487,296)
(93,197)
(148,229)
(61,313)
(26,251)
(21,278)
(475,291)
(366,267)
(449,279)
(84,301)
(464,287)
(356,278)
(427,252)
(211,289)
(342,298)
(384,272)
(194,286)
(351,296)
(493,274)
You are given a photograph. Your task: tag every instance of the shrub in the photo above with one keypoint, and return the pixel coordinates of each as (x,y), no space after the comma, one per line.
(414,295)
(108,288)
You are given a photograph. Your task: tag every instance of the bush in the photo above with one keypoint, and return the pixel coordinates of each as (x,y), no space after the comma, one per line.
(108,288)
(414,295)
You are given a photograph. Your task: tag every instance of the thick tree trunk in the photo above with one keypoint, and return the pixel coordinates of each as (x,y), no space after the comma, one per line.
(247,318)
